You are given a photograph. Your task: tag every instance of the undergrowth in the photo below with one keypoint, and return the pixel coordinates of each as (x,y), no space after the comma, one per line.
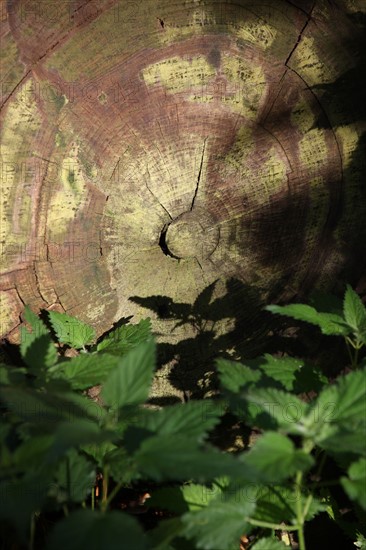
(81,473)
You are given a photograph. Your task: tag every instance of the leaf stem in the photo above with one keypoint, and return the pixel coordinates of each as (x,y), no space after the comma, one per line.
(299,512)
(105,482)
(275,526)
(32,531)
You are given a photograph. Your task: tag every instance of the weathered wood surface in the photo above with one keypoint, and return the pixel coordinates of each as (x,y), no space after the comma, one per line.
(151,148)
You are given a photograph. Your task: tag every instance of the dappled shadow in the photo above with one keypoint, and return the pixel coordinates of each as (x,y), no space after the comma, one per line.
(242,310)
(253,332)
(344,98)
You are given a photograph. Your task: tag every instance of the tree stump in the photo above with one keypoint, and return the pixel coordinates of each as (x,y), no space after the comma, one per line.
(159,157)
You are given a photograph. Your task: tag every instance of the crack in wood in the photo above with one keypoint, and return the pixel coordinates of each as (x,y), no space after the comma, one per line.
(19,296)
(199,173)
(38,286)
(155,197)
(300,35)
(14,89)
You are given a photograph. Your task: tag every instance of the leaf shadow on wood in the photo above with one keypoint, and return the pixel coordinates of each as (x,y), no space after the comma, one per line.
(345,97)
(251,332)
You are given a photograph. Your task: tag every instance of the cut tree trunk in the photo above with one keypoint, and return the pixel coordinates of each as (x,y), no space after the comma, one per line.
(159,157)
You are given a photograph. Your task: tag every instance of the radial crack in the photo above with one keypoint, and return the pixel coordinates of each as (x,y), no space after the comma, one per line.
(38,286)
(155,197)
(199,173)
(300,35)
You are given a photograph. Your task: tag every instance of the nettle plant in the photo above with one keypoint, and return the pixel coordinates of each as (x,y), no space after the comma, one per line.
(66,459)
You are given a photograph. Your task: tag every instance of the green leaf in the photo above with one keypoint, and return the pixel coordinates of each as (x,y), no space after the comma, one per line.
(361,541)
(75,434)
(343,403)
(199,496)
(190,496)
(32,454)
(281,369)
(277,503)
(355,484)
(37,325)
(274,503)
(74,479)
(40,352)
(337,418)
(354,311)
(129,382)
(86,529)
(126,337)
(285,410)
(220,524)
(36,347)
(233,375)
(274,458)
(98,451)
(70,330)
(86,370)
(162,457)
(329,323)
(193,419)
(121,466)
(10,375)
(48,408)
(269,543)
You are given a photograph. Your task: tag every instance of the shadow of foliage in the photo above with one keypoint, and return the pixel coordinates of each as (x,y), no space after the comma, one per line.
(345,97)
(194,356)
(253,331)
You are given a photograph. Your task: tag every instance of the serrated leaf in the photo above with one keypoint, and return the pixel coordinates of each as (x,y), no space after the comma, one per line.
(121,466)
(329,323)
(220,525)
(354,310)
(36,347)
(49,408)
(361,541)
(284,409)
(126,337)
(37,325)
(70,330)
(274,458)
(269,543)
(74,479)
(274,503)
(233,375)
(193,419)
(75,434)
(342,404)
(162,458)
(355,483)
(189,496)
(98,451)
(86,370)
(92,530)
(199,496)
(278,503)
(281,369)
(129,383)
